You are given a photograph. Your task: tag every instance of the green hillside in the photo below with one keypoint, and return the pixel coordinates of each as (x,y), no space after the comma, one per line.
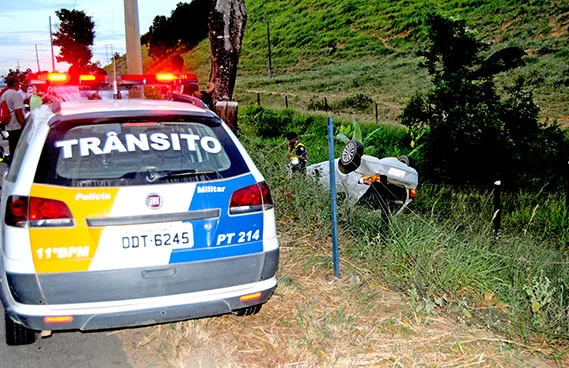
(335,49)
(323,48)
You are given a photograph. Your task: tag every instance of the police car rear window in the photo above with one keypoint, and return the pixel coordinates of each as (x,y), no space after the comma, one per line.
(137,153)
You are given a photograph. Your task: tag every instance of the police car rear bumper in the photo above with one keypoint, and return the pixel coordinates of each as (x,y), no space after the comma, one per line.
(145,312)
(134,297)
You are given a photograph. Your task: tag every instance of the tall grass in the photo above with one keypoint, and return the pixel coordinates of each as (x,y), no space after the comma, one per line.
(442,250)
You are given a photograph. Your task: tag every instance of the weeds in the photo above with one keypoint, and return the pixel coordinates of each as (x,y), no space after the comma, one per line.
(442,252)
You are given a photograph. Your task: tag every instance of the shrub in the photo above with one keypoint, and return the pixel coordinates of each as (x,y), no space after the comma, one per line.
(474,136)
(267,123)
(358,102)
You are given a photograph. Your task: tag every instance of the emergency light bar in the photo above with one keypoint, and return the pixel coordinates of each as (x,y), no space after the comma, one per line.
(88,77)
(160,78)
(165,77)
(124,79)
(58,77)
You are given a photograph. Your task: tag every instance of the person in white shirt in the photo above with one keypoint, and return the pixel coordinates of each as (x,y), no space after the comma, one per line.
(15,103)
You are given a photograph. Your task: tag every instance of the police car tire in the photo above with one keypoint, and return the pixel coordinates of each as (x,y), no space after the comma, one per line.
(17,334)
(351,157)
(249,311)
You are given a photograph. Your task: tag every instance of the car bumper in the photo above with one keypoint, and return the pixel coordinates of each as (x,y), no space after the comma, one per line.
(157,300)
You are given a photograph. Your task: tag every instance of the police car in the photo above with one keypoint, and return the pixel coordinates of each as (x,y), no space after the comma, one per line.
(120,213)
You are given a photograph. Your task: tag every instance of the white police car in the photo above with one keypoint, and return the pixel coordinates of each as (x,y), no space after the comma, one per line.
(131,212)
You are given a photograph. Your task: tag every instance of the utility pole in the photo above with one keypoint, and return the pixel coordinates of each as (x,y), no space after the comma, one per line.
(133,49)
(51,44)
(37,58)
(107,53)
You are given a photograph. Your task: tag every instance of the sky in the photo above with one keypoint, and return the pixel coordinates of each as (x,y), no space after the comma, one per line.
(24,24)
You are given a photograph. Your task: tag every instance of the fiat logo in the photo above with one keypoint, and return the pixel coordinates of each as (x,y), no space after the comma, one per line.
(153,201)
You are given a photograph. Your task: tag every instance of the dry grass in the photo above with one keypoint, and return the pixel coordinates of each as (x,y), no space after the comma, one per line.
(314,320)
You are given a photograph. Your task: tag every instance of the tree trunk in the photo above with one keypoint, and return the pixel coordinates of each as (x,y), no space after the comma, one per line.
(226,27)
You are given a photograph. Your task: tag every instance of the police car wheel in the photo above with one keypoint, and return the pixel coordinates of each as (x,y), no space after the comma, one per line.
(17,334)
(249,311)
(351,157)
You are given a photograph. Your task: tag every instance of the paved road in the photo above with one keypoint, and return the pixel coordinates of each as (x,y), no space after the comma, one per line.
(64,349)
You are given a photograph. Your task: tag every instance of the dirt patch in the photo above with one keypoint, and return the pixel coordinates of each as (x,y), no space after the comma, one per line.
(314,320)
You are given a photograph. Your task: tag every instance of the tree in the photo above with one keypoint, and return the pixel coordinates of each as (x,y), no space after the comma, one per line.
(222,20)
(160,38)
(474,135)
(21,75)
(226,29)
(185,29)
(74,36)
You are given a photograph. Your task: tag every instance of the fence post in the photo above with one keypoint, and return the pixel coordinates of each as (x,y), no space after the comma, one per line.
(332,171)
(497,207)
(567,187)
(227,111)
(376,114)
(325,104)
(258,99)
(286,101)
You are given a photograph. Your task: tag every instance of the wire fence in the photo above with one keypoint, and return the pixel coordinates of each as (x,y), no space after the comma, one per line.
(357,105)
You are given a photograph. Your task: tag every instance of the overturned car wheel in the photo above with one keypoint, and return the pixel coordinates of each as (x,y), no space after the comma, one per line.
(351,157)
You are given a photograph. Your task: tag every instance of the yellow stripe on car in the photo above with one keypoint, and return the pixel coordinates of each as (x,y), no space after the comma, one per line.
(70,249)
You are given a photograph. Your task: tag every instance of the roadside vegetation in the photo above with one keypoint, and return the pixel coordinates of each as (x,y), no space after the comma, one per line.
(442,259)
(443,251)
(335,50)
(435,286)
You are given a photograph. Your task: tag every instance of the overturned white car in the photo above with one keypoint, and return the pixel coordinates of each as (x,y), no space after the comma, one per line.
(387,183)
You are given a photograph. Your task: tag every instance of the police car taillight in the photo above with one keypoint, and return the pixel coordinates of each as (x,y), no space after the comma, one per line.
(22,211)
(254,198)
(16,211)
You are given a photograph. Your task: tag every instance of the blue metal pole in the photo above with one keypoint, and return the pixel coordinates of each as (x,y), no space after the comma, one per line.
(332,170)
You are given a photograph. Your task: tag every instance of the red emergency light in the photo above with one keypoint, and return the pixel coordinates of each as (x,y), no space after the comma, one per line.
(166,77)
(87,78)
(93,79)
(58,77)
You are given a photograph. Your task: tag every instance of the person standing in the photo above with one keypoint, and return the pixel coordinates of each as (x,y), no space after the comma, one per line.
(206,96)
(15,103)
(297,154)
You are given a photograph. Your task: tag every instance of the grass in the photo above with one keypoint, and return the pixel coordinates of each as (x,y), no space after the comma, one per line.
(435,287)
(322,49)
(444,248)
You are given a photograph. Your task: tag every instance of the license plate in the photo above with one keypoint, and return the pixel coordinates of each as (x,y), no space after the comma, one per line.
(396,172)
(174,236)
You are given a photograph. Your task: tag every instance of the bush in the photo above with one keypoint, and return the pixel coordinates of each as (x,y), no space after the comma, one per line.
(267,123)
(318,104)
(358,102)
(474,136)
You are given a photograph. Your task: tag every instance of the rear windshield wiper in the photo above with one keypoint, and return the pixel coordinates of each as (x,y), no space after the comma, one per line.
(151,177)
